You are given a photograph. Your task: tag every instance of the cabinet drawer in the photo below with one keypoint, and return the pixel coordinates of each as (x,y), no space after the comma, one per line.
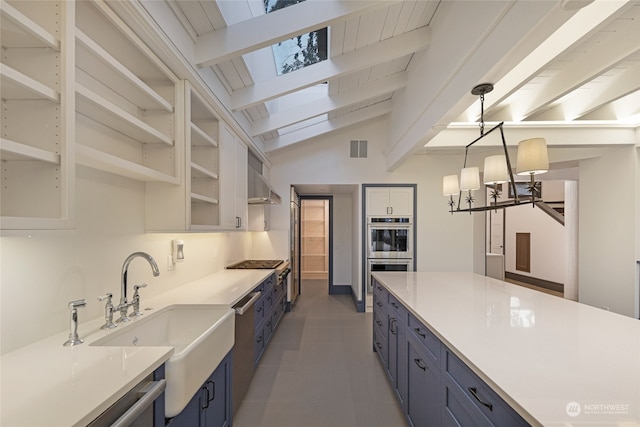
(269,299)
(259,311)
(425,336)
(472,392)
(380,292)
(457,410)
(259,343)
(380,345)
(397,310)
(380,320)
(424,395)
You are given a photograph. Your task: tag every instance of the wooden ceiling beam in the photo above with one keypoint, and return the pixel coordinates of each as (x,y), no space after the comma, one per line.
(330,103)
(359,59)
(330,125)
(266,30)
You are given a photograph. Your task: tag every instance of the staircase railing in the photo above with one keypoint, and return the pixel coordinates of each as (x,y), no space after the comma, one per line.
(545,207)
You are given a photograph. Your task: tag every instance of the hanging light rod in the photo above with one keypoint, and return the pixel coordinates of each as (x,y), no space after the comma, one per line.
(532,160)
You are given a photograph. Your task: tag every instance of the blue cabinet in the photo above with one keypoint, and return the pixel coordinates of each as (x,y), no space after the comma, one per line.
(434,386)
(211,405)
(423,401)
(269,309)
(397,317)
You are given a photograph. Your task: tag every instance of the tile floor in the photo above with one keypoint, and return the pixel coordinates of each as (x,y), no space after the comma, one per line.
(319,370)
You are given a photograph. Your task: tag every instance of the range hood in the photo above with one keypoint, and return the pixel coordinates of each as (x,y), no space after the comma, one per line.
(260,193)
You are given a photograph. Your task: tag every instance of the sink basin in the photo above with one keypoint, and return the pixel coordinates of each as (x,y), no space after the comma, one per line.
(201,336)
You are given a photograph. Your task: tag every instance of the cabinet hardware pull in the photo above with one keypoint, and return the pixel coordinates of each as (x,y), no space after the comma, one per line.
(205,387)
(419,333)
(420,365)
(379,323)
(379,346)
(392,322)
(394,305)
(213,391)
(379,304)
(142,404)
(474,393)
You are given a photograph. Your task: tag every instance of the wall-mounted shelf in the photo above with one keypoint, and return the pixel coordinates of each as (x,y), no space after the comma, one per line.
(125,100)
(16,85)
(12,150)
(37,115)
(97,108)
(201,138)
(19,31)
(96,61)
(194,204)
(97,159)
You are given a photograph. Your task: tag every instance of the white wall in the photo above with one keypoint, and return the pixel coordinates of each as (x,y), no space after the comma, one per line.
(42,271)
(608,231)
(547,242)
(444,241)
(342,239)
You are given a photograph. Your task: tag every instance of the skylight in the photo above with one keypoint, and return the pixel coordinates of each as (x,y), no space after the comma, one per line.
(300,51)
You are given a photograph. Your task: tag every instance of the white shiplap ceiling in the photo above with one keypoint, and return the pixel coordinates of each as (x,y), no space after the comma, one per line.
(584,70)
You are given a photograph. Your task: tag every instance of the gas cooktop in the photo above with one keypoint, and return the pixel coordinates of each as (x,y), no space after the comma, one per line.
(257,264)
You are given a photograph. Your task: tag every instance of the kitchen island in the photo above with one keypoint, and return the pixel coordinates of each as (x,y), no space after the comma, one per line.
(46,384)
(555,362)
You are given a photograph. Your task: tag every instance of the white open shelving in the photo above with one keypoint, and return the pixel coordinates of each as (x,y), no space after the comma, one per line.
(37,159)
(125,100)
(194,205)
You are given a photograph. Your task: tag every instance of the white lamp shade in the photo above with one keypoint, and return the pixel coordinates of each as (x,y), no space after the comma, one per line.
(450,185)
(495,170)
(470,179)
(532,157)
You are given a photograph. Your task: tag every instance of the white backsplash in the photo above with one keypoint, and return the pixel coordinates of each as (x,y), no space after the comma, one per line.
(42,271)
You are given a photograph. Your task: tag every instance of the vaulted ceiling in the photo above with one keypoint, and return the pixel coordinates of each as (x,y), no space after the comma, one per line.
(554,64)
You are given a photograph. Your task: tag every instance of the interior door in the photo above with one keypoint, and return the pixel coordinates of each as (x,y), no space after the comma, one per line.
(496,231)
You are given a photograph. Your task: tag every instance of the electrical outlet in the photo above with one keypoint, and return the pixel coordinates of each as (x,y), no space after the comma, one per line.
(170,264)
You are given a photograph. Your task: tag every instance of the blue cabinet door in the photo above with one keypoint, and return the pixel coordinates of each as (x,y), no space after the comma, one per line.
(191,415)
(217,392)
(424,395)
(211,405)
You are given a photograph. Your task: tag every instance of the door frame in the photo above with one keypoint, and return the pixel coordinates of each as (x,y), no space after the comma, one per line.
(331,288)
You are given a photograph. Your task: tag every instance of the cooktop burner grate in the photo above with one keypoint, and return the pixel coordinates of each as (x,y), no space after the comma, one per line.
(256,263)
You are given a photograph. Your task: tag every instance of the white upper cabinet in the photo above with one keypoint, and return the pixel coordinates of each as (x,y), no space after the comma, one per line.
(233,180)
(389,201)
(37,130)
(126,100)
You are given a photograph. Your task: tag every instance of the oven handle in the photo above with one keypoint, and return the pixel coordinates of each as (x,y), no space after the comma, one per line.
(141,405)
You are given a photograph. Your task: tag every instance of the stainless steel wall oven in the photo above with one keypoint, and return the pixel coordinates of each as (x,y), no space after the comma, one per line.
(389,237)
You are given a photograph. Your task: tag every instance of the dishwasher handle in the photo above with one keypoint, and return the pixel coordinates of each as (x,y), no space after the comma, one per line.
(246,303)
(155,389)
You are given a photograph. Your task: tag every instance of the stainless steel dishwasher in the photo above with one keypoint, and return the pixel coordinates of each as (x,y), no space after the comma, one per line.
(243,351)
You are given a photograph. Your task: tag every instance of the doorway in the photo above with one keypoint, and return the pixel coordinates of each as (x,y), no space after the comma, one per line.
(316,239)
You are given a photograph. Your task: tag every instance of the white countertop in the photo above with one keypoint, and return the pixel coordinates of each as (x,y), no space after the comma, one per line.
(540,353)
(48,385)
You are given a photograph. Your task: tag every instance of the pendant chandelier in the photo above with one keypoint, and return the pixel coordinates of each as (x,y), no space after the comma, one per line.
(532,159)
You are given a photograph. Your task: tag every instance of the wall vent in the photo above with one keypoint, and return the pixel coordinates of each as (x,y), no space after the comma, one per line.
(358,148)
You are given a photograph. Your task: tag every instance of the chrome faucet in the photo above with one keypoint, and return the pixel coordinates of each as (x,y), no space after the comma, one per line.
(124,304)
(74,338)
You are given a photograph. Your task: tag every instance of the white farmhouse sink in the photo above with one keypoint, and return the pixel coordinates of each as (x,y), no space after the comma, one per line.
(201,336)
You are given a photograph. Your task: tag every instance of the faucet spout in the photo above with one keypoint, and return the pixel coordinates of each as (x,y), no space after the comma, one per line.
(123,283)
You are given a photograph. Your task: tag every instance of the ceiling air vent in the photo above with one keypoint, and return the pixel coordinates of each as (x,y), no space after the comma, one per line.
(358,148)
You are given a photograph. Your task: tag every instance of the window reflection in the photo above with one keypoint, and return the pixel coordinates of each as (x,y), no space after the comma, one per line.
(521,317)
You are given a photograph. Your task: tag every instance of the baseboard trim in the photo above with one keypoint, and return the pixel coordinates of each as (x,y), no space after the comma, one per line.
(547,284)
(359,304)
(339,290)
